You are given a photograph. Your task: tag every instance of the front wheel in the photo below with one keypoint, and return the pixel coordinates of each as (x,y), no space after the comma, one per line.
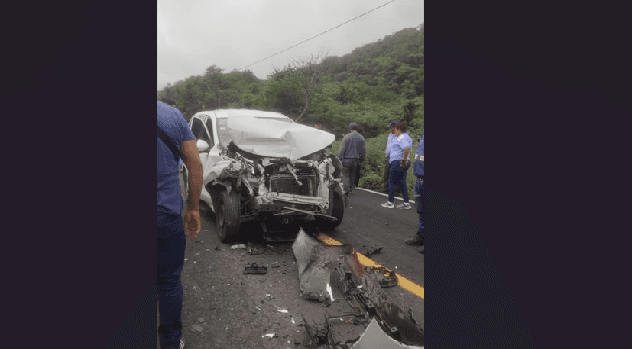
(228,214)
(337,210)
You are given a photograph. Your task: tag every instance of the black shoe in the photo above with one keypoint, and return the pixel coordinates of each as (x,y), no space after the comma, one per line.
(418,239)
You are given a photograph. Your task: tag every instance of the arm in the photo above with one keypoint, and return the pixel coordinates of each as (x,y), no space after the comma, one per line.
(363,150)
(192,221)
(342,148)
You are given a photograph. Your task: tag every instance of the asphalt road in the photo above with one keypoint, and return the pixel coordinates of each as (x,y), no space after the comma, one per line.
(224,308)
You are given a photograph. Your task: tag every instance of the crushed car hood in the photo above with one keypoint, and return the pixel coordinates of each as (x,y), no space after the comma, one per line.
(270,134)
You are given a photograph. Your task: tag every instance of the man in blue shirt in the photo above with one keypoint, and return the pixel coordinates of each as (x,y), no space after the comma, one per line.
(168,101)
(397,152)
(351,153)
(418,171)
(175,139)
(387,163)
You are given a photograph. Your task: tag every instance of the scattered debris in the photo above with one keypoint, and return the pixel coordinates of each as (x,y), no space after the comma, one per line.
(269,335)
(254,251)
(253,268)
(198,328)
(375,337)
(217,248)
(329,273)
(242,246)
(200,319)
(385,277)
(370,250)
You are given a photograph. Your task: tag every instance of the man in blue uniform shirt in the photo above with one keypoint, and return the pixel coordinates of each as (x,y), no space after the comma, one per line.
(175,140)
(387,163)
(352,152)
(418,171)
(397,152)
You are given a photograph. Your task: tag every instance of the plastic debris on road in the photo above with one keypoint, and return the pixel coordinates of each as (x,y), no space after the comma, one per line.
(374,337)
(269,335)
(234,247)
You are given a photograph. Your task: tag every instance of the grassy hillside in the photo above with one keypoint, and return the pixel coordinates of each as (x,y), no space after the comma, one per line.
(372,85)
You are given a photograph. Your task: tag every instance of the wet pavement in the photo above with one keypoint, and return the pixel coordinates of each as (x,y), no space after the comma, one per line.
(225,308)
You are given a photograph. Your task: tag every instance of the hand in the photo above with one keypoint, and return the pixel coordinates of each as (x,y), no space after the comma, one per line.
(192,223)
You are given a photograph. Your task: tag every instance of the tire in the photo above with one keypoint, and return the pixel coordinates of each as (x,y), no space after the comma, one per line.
(337,210)
(228,215)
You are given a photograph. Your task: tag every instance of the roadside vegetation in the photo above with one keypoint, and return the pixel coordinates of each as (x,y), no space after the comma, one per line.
(372,85)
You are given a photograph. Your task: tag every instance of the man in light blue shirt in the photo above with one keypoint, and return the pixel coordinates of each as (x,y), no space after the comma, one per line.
(397,152)
(387,163)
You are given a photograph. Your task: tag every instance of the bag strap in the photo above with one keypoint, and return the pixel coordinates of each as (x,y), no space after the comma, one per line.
(163,136)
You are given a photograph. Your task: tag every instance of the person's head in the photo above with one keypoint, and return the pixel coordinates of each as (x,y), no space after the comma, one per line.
(400,128)
(168,101)
(392,125)
(353,126)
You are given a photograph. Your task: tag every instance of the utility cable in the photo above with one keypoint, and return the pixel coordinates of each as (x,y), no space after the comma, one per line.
(339,25)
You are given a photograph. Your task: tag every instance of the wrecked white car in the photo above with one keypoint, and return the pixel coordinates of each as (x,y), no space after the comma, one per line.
(263,166)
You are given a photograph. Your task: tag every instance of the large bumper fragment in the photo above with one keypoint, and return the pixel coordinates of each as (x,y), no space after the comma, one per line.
(333,273)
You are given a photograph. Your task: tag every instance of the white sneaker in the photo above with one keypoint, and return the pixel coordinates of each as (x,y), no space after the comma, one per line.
(405,206)
(388,204)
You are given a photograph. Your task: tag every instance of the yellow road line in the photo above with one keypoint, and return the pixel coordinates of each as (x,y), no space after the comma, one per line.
(367,262)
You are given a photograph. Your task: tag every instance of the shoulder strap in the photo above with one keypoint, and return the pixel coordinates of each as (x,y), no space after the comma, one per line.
(163,136)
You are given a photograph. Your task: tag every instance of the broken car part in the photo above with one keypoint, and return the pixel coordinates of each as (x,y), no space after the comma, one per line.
(327,272)
(253,268)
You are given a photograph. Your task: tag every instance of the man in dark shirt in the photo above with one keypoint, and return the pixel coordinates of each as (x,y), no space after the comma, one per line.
(418,171)
(352,152)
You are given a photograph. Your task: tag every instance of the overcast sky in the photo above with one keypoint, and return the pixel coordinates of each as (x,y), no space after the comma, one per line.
(195,34)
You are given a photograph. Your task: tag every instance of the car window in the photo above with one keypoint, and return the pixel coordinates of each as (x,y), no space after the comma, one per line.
(199,131)
(209,126)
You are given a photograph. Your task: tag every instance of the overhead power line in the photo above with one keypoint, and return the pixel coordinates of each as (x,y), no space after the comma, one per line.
(304,41)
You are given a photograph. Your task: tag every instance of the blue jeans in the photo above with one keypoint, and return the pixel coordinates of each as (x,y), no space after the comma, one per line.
(171,244)
(419,192)
(396,176)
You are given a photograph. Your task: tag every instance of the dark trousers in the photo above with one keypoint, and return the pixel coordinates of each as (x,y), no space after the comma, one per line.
(357,176)
(348,174)
(387,168)
(420,194)
(397,177)
(171,244)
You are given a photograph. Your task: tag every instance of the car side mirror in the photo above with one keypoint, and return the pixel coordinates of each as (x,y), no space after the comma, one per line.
(202,145)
